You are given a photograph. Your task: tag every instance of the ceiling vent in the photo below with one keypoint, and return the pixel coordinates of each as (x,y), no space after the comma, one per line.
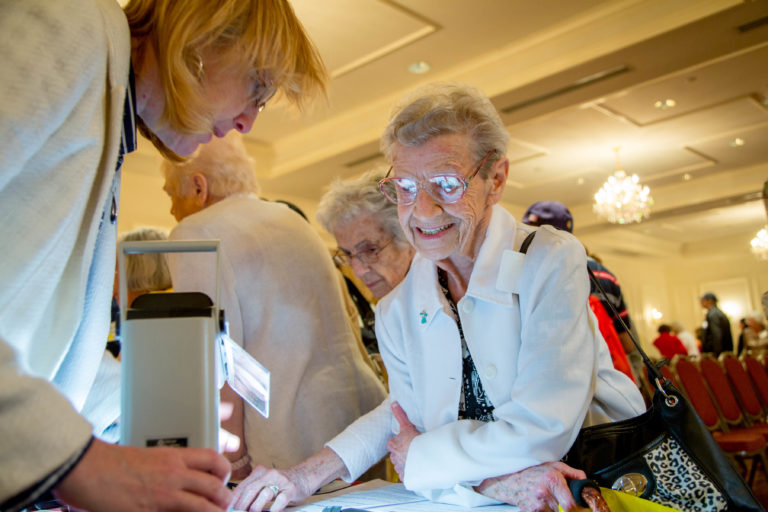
(578,84)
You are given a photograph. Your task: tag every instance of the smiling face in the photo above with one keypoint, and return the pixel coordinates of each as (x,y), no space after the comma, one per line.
(233,96)
(447,231)
(366,234)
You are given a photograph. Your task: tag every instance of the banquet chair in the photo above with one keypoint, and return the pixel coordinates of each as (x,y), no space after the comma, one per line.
(759,377)
(727,401)
(739,444)
(746,394)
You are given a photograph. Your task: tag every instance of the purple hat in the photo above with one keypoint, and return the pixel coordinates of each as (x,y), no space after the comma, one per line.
(549,212)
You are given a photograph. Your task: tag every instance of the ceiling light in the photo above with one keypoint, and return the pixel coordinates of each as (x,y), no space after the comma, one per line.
(580,181)
(736,143)
(621,199)
(760,244)
(419,68)
(687,177)
(665,104)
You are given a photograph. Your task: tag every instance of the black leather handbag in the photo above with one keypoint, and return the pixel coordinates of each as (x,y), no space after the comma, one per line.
(666,455)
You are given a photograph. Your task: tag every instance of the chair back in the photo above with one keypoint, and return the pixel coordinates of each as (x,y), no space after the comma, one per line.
(759,377)
(742,385)
(668,374)
(694,386)
(718,383)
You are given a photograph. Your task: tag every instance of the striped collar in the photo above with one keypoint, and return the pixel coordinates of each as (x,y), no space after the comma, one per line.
(129,137)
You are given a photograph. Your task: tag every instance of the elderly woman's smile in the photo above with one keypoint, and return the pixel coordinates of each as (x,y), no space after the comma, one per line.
(439,230)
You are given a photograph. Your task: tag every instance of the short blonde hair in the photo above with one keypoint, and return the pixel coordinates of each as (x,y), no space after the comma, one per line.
(224,162)
(148,271)
(346,201)
(445,108)
(258,36)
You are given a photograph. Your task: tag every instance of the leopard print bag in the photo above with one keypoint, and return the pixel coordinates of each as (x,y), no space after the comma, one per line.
(666,455)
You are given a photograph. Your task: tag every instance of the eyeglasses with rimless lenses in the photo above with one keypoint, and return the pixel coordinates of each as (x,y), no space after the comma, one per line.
(443,188)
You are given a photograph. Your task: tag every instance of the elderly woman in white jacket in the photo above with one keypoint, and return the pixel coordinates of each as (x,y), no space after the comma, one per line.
(494,358)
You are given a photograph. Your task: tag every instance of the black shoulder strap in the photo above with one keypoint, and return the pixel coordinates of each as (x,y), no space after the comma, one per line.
(527,242)
(653,371)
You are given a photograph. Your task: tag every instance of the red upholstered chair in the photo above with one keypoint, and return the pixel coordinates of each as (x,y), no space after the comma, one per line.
(745,391)
(738,444)
(759,377)
(725,398)
(668,374)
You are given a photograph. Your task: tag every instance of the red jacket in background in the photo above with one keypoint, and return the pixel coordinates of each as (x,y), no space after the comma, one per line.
(605,324)
(669,345)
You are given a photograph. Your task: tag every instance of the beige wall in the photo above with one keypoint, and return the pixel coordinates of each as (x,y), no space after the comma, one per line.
(673,285)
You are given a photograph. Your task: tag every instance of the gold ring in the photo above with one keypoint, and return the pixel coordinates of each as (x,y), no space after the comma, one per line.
(275,490)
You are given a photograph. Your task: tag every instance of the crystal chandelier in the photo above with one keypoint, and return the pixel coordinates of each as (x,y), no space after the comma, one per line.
(621,199)
(760,244)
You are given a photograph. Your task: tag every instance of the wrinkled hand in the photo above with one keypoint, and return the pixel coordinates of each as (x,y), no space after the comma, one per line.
(147,479)
(398,445)
(254,493)
(536,489)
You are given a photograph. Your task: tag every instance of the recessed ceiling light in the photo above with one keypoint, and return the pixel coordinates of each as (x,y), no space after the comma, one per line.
(736,143)
(419,68)
(686,177)
(665,104)
(580,181)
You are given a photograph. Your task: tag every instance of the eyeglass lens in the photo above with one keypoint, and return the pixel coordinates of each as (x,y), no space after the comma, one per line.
(367,255)
(442,188)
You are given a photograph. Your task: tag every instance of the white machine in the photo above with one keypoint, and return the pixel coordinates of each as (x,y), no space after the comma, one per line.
(176,355)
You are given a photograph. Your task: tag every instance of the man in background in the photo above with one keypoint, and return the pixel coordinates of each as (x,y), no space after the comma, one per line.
(717,328)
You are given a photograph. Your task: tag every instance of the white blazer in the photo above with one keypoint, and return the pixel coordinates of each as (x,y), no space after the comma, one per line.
(535,343)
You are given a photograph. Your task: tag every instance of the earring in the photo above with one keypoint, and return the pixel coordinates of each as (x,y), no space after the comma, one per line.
(199,66)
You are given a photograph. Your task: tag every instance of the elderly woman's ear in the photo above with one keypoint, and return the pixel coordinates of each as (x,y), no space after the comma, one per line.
(498,180)
(200,189)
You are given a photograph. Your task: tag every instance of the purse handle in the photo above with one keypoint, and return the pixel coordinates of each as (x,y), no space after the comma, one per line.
(653,371)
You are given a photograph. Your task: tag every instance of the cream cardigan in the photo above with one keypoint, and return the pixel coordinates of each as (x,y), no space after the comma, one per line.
(65,70)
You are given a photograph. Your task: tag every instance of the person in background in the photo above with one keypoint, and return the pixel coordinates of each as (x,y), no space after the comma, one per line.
(757,343)
(352,298)
(78,78)
(688,339)
(555,213)
(717,336)
(145,273)
(745,334)
(282,297)
(367,232)
(611,337)
(764,302)
(493,367)
(668,344)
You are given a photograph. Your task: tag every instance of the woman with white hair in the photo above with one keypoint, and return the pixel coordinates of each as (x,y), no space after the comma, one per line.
(493,356)
(756,343)
(146,272)
(367,232)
